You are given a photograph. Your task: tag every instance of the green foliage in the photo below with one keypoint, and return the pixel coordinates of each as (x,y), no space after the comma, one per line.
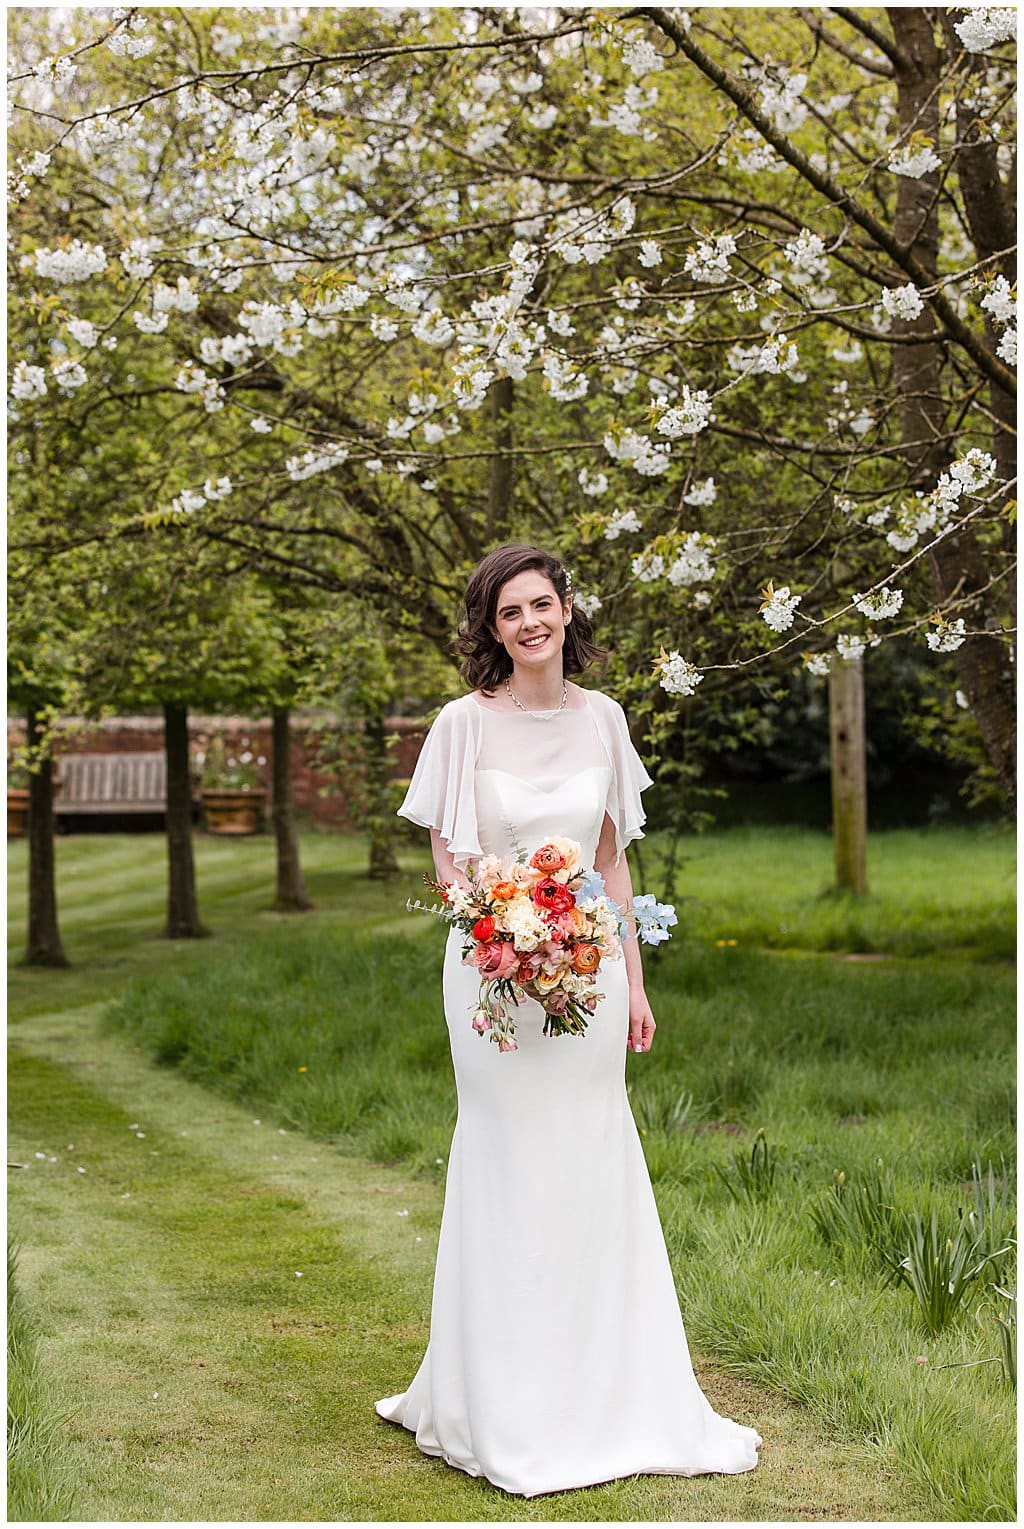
(862,1215)
(940,1267)
(39,1474)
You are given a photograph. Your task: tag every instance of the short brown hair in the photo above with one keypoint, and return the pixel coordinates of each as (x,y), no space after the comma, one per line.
(485,661)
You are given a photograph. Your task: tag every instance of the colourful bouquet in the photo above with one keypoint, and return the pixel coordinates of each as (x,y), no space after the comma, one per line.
(540,928)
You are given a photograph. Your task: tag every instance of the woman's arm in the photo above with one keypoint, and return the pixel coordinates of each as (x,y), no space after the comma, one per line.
(444,865)
(619,884)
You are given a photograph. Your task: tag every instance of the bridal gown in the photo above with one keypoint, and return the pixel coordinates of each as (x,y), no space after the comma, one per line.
(557,1356)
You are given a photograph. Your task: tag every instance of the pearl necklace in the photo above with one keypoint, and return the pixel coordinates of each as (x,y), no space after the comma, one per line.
(543,716)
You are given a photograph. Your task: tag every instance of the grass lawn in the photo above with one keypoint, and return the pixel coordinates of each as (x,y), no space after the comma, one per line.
(846,1031)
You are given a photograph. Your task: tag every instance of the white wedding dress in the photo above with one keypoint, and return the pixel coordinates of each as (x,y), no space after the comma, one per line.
(557,1356)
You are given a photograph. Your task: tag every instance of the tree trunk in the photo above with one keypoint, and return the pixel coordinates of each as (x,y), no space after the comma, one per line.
(957,561)
(43,946)
(849,773)
(383,861)
(291,894)
(182,903)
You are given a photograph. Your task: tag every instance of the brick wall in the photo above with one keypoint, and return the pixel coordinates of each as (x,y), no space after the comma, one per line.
(317,793)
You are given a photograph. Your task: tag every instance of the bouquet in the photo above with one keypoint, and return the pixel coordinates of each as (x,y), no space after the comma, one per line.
(540,928)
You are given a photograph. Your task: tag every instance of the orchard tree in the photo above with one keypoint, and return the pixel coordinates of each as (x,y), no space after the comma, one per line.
(720,303)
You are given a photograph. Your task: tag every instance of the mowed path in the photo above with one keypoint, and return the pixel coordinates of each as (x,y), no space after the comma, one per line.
(221,1301)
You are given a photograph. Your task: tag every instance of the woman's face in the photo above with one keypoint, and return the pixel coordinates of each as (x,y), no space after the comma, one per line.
(530,620)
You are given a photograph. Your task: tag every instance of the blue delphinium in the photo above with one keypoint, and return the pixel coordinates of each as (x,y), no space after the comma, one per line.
(653,919)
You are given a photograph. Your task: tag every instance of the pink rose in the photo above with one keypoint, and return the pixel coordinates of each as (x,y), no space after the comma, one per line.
(481,1022)
(496,959)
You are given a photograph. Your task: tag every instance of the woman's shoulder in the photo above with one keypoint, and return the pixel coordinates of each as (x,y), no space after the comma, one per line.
(603,705)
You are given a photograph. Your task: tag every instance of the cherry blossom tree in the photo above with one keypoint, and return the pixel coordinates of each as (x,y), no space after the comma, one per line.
(721,303)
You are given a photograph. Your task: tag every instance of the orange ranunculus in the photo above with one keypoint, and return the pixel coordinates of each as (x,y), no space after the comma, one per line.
(580,922)
(549,858)
(552,896)
(504,891)
(484,929)
(586,959)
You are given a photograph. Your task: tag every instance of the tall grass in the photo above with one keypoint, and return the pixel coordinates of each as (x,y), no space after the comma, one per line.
(39,1472)
(765,1026)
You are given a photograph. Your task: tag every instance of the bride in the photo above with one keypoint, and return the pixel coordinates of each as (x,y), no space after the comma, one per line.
(557,1356)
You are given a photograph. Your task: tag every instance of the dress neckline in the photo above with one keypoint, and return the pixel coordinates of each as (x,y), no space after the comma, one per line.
(538,716)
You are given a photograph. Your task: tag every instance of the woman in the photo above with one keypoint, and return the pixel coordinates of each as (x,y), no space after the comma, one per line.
(557,1356)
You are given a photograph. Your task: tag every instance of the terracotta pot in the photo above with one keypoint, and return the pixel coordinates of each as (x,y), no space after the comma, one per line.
(233,811)
(17,811)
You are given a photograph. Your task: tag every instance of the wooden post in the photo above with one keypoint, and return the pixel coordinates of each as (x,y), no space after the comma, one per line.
(849,772)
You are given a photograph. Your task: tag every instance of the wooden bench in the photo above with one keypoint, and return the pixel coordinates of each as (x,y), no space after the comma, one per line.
(108,784)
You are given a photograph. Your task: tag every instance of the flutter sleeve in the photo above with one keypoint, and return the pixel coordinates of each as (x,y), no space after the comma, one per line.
(629,777)
(442,791)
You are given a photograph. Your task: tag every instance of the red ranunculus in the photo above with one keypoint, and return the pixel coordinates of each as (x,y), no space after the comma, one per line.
(484,929)
(552,896)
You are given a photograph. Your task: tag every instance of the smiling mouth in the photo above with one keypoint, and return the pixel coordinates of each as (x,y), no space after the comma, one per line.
(534,642)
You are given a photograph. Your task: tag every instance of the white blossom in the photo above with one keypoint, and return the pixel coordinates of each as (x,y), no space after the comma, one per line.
(806,257)
(136,258)
(778,607)
(692,563)
(650,253)
(880,604)
(948,638)
(701,493)
(217,489)
(914,159)
(1000,300)
(60,70)
(985,26)
(862,421)
(35,164)
(311,462)
(560,324)
(702,598)
(434,327)
(641,56)
(817,663)
(780,99)
(709,262)
(849,646)
(1007,347)
(472,379)
(383,328)
(903,302)
(147,323)
(588,604)
(689,415)
(187,502)
(849,352)
(640,452)
(261,425)
(678,676)
(130,44)
(71,262)
(594,486)
(84,332)
(69,375)
(180,297)
(28,382)
(564,382)
(648,566)
(623,521)
(542,117)
(962,701)
(759,157)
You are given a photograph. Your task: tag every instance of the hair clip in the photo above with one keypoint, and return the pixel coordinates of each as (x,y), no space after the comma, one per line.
(568,580)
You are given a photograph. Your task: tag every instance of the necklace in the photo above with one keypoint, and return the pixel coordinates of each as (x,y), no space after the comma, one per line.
(543,715)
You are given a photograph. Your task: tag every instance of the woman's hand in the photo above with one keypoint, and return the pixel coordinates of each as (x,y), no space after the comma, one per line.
(641,1023)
